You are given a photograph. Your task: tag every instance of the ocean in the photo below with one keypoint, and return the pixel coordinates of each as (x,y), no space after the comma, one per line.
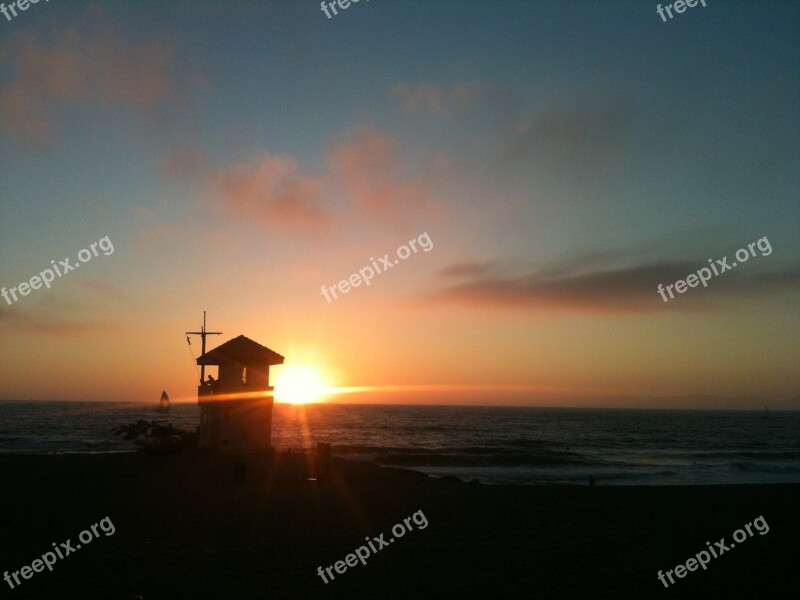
(495,445)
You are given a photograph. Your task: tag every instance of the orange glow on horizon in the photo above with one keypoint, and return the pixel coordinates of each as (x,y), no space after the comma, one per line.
(359,389)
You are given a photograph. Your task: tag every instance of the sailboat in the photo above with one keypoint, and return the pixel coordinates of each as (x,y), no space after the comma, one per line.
(163,406)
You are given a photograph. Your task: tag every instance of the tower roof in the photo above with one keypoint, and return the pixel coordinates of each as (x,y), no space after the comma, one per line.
(241,350)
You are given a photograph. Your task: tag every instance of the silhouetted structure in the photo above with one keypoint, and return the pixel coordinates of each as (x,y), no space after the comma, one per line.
(236,409)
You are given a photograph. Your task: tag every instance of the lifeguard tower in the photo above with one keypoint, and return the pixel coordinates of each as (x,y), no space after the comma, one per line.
(236,409)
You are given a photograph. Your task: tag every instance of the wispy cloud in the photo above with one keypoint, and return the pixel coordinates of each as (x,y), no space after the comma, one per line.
(437,99)
(268,189)
(16,322)
(274,191)
(366,164)
(576,139)
(570,287)
(363,165)
(100,287)
(105,69)
(468,269)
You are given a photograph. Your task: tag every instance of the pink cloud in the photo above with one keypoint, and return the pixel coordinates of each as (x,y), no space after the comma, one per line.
(273,190)
(268,189)
(66,66)
(366,165)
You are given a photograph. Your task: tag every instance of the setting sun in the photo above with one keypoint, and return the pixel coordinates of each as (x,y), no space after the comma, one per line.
(299,385)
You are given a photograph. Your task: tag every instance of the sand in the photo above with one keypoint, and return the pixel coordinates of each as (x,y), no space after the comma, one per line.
(186,529)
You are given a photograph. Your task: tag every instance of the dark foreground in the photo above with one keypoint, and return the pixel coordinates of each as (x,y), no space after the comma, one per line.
(186,529)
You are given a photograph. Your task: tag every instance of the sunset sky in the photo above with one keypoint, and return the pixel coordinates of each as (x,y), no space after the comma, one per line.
(564,159)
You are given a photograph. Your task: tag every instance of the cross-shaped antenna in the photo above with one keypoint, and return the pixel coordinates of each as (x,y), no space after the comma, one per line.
(203,333)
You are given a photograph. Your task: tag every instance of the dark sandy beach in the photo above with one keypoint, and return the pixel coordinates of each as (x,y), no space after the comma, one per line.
(185,529)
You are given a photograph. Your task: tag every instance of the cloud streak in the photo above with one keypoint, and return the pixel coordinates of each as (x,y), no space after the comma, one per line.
(620,290)
(15,322)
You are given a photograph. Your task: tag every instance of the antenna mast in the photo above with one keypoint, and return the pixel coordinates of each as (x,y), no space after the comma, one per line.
(203,333)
